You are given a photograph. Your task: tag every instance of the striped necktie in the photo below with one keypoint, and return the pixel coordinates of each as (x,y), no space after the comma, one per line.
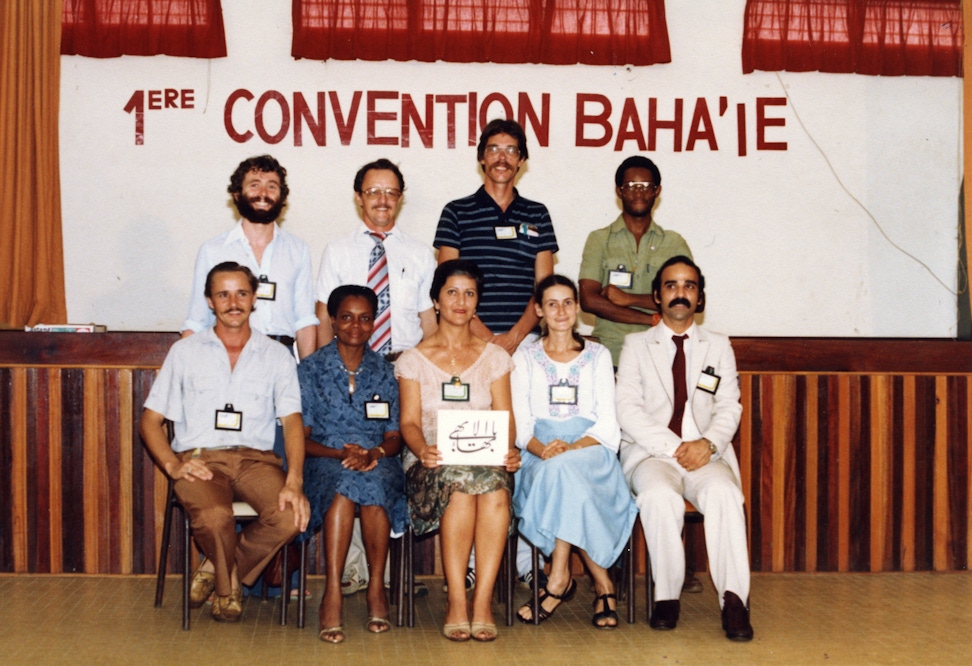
(381,337)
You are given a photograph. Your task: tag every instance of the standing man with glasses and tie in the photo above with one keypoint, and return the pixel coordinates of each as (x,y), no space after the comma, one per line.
(399,269)
(678,407)
(621,260)
(512,241)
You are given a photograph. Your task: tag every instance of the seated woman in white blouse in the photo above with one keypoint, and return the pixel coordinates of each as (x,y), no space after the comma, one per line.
(570,491)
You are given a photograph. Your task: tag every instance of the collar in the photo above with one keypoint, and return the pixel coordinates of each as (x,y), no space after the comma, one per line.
(483,199)
(236,234)
(619,227)
(666,333)
(332,361)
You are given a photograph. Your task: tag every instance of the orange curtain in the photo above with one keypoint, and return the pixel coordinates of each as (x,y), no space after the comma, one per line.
(31,255)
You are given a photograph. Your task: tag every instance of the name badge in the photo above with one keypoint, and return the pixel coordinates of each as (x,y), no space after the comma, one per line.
(377,409)
(455,391)
(505,233)
(229,419)
(563,393)
(266,290)
(709,380)
(621,278)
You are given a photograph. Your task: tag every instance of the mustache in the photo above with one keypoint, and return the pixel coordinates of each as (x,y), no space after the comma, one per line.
(679,301)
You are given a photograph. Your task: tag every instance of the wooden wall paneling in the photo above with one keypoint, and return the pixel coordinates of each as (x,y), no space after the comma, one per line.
(881,488)
(744,453)
(72,470)
(92,460)
(6,457)
(968,476)
(810,460)
(843,472)
(18,469)
(55,462)
(146,520)
(902,500)
(782,469)
(126,472)
(940,494)
(110,472)
(958,472)
(829,518)
(38,478)
(924,471)
(759,553)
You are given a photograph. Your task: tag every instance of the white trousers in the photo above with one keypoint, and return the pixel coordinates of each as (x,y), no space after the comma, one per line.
(661,487)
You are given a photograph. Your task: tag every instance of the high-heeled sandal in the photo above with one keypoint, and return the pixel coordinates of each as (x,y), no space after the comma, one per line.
(542,613)
(607,614)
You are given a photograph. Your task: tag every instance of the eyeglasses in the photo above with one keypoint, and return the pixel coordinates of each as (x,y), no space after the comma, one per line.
(639,188)
(492,150)
(375,192)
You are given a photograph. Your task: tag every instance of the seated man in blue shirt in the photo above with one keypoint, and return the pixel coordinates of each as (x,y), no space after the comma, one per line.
(223,388)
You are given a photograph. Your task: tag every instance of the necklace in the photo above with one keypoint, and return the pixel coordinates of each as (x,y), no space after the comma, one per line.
(352,374)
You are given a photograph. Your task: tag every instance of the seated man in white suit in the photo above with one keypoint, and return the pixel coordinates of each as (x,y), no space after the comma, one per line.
(678,406)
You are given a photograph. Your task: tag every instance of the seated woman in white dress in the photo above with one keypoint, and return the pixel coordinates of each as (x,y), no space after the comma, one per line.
(570,491)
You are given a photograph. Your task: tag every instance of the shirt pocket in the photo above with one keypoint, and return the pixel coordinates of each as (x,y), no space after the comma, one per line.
(256,399)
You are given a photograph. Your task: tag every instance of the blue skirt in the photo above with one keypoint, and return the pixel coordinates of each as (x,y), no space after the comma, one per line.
(579,497)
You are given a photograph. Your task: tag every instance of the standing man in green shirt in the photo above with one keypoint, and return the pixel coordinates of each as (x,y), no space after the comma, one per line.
(621,260)
(619,263)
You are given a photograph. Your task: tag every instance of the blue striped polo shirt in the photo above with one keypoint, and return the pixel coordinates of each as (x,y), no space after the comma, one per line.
(477,227)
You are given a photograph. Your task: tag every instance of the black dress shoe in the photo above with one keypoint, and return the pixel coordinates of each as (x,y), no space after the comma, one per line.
(735,618)
(665,615)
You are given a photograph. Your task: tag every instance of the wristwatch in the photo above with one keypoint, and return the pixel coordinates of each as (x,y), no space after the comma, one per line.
(713,449)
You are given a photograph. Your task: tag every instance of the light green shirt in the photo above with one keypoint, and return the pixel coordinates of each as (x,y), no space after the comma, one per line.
(613,246)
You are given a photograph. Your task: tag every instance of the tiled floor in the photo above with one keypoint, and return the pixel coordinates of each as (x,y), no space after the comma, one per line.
(918,618)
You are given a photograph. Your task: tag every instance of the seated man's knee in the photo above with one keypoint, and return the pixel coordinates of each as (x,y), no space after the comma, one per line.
(213,518)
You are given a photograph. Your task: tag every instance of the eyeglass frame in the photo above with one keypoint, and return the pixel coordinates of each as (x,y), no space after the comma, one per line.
(639,186)
(496,149)
(392,193)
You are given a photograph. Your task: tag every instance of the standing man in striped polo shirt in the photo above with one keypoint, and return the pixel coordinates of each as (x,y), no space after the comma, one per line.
(512,240)
(380,255)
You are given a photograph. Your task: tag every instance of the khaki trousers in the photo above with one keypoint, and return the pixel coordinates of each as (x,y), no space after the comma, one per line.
(255,477)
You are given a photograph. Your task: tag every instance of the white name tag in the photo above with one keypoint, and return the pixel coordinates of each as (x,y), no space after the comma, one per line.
(266,290)
(229,419)
(377,410)
(709,380)
(621,278)
(505,233)
(563,393)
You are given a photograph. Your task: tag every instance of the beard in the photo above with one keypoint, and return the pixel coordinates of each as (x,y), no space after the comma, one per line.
(245,207)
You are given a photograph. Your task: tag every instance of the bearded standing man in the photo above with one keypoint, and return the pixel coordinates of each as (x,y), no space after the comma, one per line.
(281,261)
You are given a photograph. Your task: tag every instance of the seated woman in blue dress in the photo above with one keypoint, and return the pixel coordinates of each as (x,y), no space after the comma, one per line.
(350,407)
(570,491)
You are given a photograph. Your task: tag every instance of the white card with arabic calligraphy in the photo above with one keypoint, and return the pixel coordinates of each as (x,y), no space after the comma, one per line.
(473,437)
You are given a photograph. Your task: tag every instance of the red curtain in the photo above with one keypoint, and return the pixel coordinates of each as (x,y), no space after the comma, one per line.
(556,32)
(111,28)
(885,37)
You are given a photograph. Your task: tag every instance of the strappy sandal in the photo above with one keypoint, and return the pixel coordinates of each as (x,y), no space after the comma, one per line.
(378,625)
(542,613)
(332,635)
(607,613)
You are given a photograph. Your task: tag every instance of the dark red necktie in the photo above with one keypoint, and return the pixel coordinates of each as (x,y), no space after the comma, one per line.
(681,391)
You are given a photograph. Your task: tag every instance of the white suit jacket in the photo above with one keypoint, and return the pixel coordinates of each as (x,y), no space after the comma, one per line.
(646,390)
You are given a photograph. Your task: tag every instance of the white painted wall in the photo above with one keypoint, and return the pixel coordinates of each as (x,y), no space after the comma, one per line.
(799,242)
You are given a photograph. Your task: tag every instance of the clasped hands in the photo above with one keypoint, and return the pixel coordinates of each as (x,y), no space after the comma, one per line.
(693,455)
(555,447)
